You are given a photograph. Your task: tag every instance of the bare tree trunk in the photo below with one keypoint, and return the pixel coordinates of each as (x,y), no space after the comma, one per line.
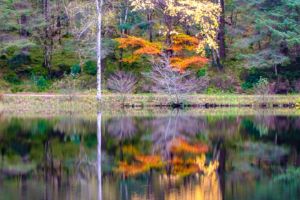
(121,50)
(99,155)
(47,37)
(59,28)
(150,25)
(221,31)
(23,23)
(99,18)
(276,73)
(122,33)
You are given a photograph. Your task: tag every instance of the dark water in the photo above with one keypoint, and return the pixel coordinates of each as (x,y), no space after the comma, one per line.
(173,155)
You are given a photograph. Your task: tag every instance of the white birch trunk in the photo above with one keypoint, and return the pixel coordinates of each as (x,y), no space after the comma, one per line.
(99,13)
(99,155)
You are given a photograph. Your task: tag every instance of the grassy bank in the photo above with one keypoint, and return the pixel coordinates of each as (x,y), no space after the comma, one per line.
(90,114)
(112,101)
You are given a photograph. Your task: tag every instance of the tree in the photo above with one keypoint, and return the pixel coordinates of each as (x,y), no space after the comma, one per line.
(121,83)
(169,69)
(13,17)
(274,34)
(203,14)
(175,53)
(99,25)
(86,18)
(176,84)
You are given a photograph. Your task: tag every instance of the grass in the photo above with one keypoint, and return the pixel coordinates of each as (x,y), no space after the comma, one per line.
(112,101)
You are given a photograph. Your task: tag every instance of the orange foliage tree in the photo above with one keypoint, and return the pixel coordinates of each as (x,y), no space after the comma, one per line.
(175,52)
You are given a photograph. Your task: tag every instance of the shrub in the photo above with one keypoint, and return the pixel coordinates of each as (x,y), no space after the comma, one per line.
(263,87)
(76,69)
(282,86)
(17,60)
(121,83)
(41,82)
(12,77)
(16,89)
(296,86)
(202,72)
(251,80)
(63,67)
(90,68)
(69,85)
(3,57)
(222,82)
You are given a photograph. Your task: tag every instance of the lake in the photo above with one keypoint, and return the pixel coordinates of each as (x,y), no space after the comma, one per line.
(151,154)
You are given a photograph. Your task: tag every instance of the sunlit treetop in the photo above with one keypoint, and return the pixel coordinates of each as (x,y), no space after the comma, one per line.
(193,12)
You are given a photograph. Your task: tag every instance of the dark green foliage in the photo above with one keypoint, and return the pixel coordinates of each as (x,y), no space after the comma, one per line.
(41,82)
(76,69)
(3,57)
(67,35)
(90,68)
(64,68)
(12,77)
(202,72)
(251,80)
(17,60)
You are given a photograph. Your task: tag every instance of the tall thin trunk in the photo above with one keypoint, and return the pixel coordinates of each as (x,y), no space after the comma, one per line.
(59,28)
(221,30)
(275,69)
(47,37)
(23,23)
(122,33)
(99,155)
(150,25)
(99,18)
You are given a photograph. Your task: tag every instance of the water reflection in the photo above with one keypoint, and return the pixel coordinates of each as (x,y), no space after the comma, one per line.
(171,156)
(99,158)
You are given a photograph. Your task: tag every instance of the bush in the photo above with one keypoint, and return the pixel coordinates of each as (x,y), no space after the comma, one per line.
(3,57)
(76,69)
(41,82)
(90,68)
(16,89)
(69,85)
(17,60)
(251,80)
(122,83)
(263,87)
(12,77)
(296,86)
(222,82)
(282,86)
(202,72)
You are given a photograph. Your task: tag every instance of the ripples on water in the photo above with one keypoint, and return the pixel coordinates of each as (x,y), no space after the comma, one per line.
(168,156)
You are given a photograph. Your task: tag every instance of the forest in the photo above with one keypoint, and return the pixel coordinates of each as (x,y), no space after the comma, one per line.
(175,47)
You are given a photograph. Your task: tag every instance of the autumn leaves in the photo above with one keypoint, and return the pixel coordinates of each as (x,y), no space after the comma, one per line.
(186,159)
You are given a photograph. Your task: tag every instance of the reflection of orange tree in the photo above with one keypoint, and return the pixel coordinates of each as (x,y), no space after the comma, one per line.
(145,163)
(177,164)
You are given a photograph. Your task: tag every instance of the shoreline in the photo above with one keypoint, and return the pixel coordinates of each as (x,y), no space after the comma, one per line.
(112,101)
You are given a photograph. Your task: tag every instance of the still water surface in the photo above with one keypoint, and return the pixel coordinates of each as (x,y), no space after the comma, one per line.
(173,155)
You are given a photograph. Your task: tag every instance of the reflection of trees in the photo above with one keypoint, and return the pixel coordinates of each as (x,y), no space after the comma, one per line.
(196,188)
(176,125)
(265,122)
(122,127)
(99,156)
